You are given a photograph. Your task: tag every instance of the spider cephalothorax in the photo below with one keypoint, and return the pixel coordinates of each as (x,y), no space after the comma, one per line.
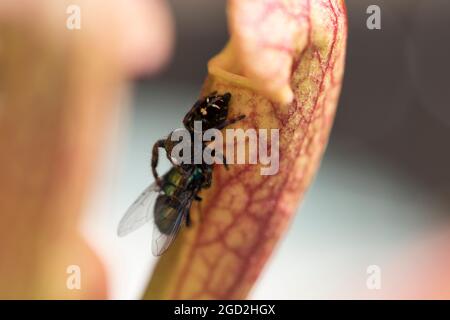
(212,111)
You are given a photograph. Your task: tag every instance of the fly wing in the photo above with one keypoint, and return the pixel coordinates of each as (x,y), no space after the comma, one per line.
(140,212)
(162,241)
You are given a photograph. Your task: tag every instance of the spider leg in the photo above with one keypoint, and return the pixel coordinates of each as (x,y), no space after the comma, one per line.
(200,212)
(224,159)
(229,122)
(220,155)
(155,158)
(168,146)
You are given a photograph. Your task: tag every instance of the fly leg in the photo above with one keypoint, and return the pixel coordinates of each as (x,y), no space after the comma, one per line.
(207,178)
(200,216)
(205,185)
(188,220)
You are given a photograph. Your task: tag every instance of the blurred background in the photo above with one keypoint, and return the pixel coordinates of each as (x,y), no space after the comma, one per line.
(382,192)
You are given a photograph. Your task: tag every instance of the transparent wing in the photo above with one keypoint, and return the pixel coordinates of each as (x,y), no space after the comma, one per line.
(140,212)
(162,241)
